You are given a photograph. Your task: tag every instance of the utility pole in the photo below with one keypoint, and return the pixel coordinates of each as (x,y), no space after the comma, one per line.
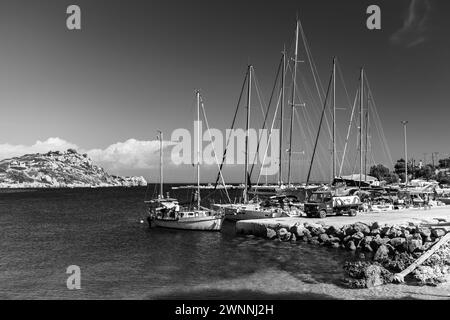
(406,154)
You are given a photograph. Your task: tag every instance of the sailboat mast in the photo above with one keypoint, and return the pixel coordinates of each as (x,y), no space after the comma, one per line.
(334,121)
(198,148)
(161,180)
(361,116)
(280,171)
(366,139)
(293,101)
(249,91)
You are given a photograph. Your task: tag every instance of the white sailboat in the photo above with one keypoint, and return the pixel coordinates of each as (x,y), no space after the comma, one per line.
(167,212)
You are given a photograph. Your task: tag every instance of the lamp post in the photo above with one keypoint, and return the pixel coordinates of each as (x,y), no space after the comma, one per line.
(406,154)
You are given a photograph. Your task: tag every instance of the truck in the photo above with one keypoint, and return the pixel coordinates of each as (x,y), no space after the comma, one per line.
(323,203)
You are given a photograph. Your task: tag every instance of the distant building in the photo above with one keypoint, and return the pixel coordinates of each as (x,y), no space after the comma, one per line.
(420,164)
(17,165)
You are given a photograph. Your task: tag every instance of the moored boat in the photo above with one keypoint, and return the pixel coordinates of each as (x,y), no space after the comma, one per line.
(167,212)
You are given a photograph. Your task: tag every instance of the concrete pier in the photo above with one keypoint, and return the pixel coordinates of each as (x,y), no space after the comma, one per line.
(396,217)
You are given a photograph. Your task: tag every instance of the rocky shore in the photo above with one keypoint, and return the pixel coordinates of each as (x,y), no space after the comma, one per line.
(382,251)
(57,169)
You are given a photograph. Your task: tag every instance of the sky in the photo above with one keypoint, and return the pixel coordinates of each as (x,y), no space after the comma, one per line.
(134,66)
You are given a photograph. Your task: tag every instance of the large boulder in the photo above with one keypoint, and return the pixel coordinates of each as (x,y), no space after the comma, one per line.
(398,243)
(283,234)
(361,227)
(348,230)
(299,230)
(358,236)
(270,233)
(324,238)
(394,232)
(351,246)
(334,239)
(374,226)
(438,232)
(331,230)
(424,232)
(368,240)
(382,253)
(414,244)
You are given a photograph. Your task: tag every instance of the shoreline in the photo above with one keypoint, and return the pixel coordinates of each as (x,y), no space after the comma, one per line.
(412,244)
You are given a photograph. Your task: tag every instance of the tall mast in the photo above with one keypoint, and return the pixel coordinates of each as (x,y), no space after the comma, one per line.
(198,148)
(280,172)
(161,180)
(334,120)
(249,91)
(366,144)
(293,102)
(361,116)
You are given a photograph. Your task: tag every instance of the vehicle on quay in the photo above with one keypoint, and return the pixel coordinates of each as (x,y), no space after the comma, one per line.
(323,203)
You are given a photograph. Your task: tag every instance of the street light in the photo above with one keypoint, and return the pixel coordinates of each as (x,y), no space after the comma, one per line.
(406,154)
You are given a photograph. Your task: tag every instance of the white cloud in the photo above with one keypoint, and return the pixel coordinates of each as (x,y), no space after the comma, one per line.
(131,154)
(51,144)
(128,155)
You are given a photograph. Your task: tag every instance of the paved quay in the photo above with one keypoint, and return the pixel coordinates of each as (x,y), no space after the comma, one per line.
(258,227)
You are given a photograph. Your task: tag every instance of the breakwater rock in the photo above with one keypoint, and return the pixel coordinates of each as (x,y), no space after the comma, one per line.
(383,250)
(57,169)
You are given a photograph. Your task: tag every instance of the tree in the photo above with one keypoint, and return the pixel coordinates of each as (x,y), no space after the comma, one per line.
(392,178)
(442,178)
(444,163)
(426,172)
(399,167)
(379,171)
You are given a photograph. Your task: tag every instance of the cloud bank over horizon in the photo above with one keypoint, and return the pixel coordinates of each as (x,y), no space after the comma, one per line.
(130,154)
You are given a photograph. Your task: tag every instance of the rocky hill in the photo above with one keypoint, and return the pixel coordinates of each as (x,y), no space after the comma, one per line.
(57,169)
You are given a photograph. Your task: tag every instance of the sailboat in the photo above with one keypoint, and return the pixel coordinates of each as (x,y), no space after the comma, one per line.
(166,212)
(253,209)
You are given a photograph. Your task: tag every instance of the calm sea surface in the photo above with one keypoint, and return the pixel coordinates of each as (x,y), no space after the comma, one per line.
(43,232)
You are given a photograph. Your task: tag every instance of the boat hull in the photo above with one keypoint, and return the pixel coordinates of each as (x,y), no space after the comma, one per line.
(251,215)
(196,223)
(249,212)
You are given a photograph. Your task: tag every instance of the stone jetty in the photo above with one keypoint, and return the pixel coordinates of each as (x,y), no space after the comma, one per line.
(385,243)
